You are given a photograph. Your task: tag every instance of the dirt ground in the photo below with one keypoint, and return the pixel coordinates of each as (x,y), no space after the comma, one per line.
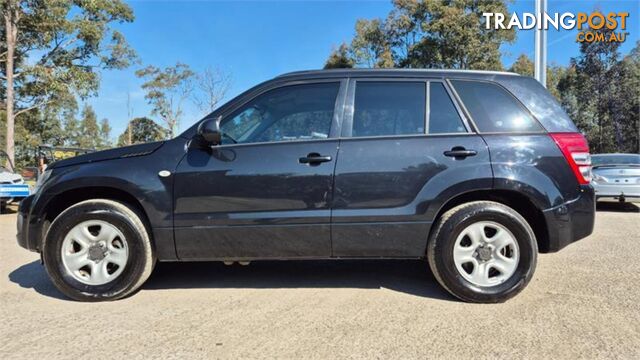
(581,303)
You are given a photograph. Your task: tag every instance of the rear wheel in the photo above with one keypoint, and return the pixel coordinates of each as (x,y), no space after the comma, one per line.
(98,250)
(482,252)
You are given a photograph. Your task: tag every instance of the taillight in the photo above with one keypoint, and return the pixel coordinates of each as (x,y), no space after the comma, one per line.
(575,149)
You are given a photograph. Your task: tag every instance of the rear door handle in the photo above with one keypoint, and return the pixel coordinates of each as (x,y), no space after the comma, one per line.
(459,153)
(314,159)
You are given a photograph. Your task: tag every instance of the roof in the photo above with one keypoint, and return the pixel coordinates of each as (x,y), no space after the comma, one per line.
(359,72)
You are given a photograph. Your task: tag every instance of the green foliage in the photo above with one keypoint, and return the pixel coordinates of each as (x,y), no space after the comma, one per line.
(523,66)
(339,58)
(105,134)
(167,89)
(69,40)
(37,127)
(66,43)
(428,34)
(89,131)
(72,129)
(370,46)
(601,93)
(143,130)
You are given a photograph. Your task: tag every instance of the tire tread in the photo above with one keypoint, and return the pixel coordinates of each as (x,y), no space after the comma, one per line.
(139,225)
(431,251)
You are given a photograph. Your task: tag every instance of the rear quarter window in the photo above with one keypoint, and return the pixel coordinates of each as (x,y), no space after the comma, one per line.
(493,109)
(539,101)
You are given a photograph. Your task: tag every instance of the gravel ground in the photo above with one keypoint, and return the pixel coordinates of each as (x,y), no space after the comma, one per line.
(581,303)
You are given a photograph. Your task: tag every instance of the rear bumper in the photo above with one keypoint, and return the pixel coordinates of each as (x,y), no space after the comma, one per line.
(571,221)
(627,191)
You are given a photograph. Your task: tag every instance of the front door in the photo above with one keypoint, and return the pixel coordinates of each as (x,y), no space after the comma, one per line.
(266,191)
(405,146)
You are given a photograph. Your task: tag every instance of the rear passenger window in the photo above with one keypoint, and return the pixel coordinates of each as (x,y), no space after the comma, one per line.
(389,108)
(493,109)
(443,116)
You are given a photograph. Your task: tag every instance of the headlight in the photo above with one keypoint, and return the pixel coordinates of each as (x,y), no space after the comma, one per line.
(41,180)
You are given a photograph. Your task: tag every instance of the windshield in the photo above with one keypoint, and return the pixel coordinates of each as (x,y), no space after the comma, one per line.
(5,164)
(613,160)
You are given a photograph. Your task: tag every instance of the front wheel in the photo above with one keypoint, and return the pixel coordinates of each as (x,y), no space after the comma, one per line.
(482,252)
(98,250)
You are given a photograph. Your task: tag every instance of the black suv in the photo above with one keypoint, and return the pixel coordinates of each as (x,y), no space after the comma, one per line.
(474,171)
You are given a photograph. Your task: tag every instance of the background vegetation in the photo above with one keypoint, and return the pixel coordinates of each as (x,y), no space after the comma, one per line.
(53,51)
(600,89)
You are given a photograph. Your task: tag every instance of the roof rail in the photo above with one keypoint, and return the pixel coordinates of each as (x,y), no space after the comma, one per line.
(365,70)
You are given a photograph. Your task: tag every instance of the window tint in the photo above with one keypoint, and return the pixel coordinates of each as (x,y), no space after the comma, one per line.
(623,159)
(443,116)
(389,108)
(493,109)
(289,113)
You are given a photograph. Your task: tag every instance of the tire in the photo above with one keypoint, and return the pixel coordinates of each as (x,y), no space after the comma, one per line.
(138,261)
(462,279)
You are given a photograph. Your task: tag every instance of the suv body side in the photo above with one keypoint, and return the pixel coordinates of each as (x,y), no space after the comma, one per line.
(392,220)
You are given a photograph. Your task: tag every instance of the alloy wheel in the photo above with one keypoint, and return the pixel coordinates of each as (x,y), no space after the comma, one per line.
(486,253)
(94,252)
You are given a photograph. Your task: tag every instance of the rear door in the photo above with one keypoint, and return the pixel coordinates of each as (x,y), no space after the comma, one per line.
(405,148)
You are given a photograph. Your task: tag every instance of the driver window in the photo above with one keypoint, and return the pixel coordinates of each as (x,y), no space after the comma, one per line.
(298,112)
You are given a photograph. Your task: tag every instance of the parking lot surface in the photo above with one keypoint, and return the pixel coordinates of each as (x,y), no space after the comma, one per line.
(581,303)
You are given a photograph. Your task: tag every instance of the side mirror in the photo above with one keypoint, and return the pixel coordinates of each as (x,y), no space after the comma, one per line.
(209,131)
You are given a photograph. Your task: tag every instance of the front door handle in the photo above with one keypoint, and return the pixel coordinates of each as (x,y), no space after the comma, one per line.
(460,153)
(314,159)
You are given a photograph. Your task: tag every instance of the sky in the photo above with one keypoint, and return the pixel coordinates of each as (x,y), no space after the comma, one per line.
(256,41)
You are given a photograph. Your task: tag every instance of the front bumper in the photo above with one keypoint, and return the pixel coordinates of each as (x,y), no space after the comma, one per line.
(571,221)
(26,234)
(614,190)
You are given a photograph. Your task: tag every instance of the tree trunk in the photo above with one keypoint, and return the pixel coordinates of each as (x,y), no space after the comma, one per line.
(11,29)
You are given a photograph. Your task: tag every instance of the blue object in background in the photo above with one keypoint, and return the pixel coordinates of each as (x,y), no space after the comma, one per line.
(14,191)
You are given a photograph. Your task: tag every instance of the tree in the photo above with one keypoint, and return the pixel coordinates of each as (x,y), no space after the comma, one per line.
(66,42)
(555,73)
(167,89)
(339,58)
(143,130)
(599,94)
(89,130)
(212,85)
(71,128)
(3,129)
(40,126)
(523,66)
(370,46)
(431,34)
(105,134)
(624,105)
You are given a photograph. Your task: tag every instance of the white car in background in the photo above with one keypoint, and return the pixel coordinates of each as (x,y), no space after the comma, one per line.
(12,186)
(8,177)
(616,176)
